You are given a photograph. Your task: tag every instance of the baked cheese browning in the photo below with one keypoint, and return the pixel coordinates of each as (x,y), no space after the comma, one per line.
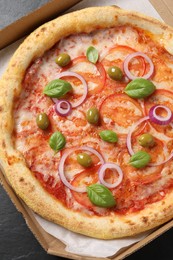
(118,112)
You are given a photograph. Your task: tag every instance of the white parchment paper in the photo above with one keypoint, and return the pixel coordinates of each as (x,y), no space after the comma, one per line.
(75,243)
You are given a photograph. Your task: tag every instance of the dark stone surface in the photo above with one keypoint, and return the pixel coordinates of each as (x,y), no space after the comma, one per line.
(11,10)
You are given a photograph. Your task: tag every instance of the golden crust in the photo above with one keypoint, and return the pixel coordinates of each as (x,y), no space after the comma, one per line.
(20,177)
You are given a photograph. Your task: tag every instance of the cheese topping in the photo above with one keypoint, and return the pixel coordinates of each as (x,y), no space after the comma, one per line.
(117,111)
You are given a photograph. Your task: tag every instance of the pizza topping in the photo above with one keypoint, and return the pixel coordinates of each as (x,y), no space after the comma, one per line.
(92,116)
(102,172)
(63,59)
(134,55)
(160,120)
(118,112)
(139,88)
(94,74)
(146,140)
(115,110)
(85,90)
(100,196)
(161,97)
(84,159)
(92,54)
(115,73)
(63,107)
(140,159)
(108,136)
(62,166)
(57,88)
(57,141)
(42,121)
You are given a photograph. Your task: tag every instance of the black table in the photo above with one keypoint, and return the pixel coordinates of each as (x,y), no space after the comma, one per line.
(16,240)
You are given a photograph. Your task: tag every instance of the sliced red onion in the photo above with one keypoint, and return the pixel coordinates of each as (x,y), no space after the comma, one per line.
(63,107)
(112,166)
(160,120)
(129,136)
(62,162)
(74,74)
(134,55)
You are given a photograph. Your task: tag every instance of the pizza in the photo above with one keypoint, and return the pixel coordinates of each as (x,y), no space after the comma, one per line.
(86,132)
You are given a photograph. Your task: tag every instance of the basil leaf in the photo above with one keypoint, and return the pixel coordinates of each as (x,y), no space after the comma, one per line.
(57,141)
(57,88)
(108,136)
(140,159)
(92,54)
(100,196)
(140,88)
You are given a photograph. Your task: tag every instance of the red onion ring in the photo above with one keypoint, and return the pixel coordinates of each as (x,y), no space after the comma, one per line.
(129,143)
(159,120)
(74,74)
(102,174)
(133,55)
(63,107)
(62,162)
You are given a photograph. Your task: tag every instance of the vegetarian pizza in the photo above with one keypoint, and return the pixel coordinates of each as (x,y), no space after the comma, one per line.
(86,131)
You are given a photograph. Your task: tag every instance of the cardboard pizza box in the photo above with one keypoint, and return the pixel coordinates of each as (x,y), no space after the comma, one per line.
(10,34)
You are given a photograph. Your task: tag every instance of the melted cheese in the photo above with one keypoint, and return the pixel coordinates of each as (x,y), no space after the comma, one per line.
(34,144)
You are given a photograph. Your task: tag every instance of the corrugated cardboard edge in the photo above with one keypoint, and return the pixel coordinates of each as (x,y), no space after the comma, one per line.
(29,22)
(165,9)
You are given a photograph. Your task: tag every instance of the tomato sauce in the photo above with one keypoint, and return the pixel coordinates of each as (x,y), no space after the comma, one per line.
(118,112)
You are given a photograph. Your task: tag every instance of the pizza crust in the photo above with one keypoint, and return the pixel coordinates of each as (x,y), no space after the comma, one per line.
(19,176)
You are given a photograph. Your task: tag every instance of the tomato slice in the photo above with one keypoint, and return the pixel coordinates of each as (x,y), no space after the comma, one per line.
(156,152)
(142,176)
(117,55)
(86,177)
(94,74)
(118,112)
(160,97)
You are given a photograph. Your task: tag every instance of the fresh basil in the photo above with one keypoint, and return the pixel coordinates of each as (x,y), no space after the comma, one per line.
(139,88)
(57,88)
(140,159)
(100,196)
(92,54)
(57,141)
(108,136)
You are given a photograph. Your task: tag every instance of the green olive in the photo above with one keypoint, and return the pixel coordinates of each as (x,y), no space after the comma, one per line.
(92,115)
(42,121)
(146,140)
(63,59)
(115,73)
(84,159)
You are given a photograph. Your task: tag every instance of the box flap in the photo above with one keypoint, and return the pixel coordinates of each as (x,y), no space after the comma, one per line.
(165,9)
(28,23)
